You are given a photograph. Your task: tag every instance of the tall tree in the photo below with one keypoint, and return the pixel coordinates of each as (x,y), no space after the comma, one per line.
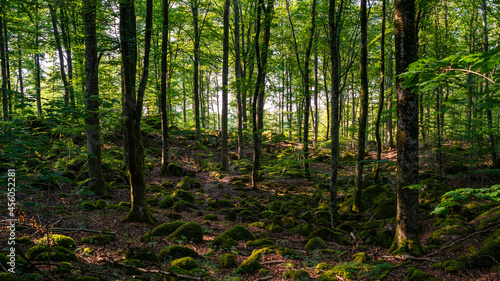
(133,105)
(363,118)
(66,38)
(38,74)
(407,233)
(53,17)
(225,74)
(381,94)
(164,170)
(239,78)
(196,63)
(97,183)
(5,101)
(261,52)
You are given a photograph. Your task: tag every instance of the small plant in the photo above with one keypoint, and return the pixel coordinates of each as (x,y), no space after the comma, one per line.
(455,198)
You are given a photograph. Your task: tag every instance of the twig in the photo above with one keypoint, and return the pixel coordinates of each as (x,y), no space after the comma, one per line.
(160,272)
(74,229)
(265,278)
(75,267)
(273,262)
(408,257)
(30,263)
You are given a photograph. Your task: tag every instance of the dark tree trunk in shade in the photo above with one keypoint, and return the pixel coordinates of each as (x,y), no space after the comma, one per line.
(66,38)
(139,211)
(163,91)
(53,17)
(37,66)
(407,232)
(92,121)
(225,74)
(5,103)
(381,94)
(239,79)
(196,57)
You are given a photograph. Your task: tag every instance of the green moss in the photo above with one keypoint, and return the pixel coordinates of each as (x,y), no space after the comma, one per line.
(315,243)
(101,239)
(166,202)
(268,214)
(329,275)
(451,226)
(58,240)
(221,203)
(275,206)
(134,263)
(275,228)
(330,252)
(187,183)
(178,270)
(346,271)
(223,241)
(264,271)
(146,238)
(43,253)
(297,274)
(330,235)
(488,217)
(88,278)
(361,258)
(260,242)
(432,191)
(239,232)
(450,266)
(322,266)
(303,229)
(489,253)
(250,265)
(140,253)
(190,231)
(384,238)
(211,217)
(186,263)
(415,274)
(86,206)
(177,251)
(180,194)
(63,267)
(167,184)
(227,260)
(166,228)
(125,205)
(100,204)
(384,206)
(5,276)
(23,240)
(259,224)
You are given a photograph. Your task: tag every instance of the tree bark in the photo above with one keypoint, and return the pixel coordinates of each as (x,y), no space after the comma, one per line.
(133,107)
(92,121)
(407,232)
(53,17)
(66,38)
(196,54)
(164,170)
(381,95)
(239,79)
(363,114)
(225,74)
(37,66)
(5,101)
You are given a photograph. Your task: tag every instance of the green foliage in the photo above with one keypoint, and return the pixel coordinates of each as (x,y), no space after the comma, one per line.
(457,197)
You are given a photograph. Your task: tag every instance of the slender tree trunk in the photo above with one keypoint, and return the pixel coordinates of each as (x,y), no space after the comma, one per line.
(390,137)
(196,52)
(363,114)
(261,52)
(164,171)
(133,107)
(225,74)
(20,72)
(407,229)
(7,63)
(239,79)
(381,97)
(316,84)
(37,66)
(92,121)
(69,54)
(184,103)
(5,104)
(53,17)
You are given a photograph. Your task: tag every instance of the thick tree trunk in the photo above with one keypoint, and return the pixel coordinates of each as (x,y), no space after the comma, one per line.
(363,114)
(260,85)
(407,232)
(163,92)
(225,74)
(133,107)
(97,183)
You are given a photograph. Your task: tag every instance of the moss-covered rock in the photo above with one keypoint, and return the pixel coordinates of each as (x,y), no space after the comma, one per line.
(88,206)
(178,251)
(58,240)
(211,217)
(131,270)
(227,260)
(330,253)
(451,266)
(166,202)
(183,206)
(250,265)
(260,242)
(184,195)
(239,232)
(100,239)
(247,215)
(431,191)
(329,275)
(140,253)
(100,204)
(299,274)
(415,274)
(450,227)
(384,206)
(259,224)
(384,238)
(275,206)
(43,253)
(322,266)
(186,263)
(330,235)
(361,258)
(23,240)
(486,218)
(177,270)
(275,228)
(489,254)
(190,231)
(166,228)
(188,183)
(167,184)
(221,203)
(223,241)
(303,229)
(315,243)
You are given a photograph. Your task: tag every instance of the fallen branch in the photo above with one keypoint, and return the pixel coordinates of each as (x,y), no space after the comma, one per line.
(265,278)
(75,267)
(408,257)
(273,262)
(154,271)
(71,229)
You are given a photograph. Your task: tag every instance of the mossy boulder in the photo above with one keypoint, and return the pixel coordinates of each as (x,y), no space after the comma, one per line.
(330,235)
(247,215)
(239,232)
(171,169)
(190,231)
(250,265)
(450,266)
(488,217)
(178,251)
(415,274)
(211,217)
(384,238)
(489,254)
(100,239)
(100,204)
(431,191)
(167,184)
(133,263)
(166,228)
(221,203)
(275,228)
(275,206)
(227,260)
(186,263)
(322,266)
(298,274)
(183,206)
(384,206)
(166,202)
(140,253)
(259,224)
(260,242)
(303,229)
(44,253)
(315,243)
(58,240)
(450,227)
(329,275)
(184,195)
(361,258)
(223,241)
(88,206)
(188,183)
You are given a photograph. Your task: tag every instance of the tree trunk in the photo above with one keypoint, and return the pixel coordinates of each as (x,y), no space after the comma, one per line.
(225,74)
(69,55)
(60,51)
(196,53)
(164,171)
(407,232)
(5,104)
(239,78)
(390,138)
(316,84)
(363,114)
(382,94)
(37,66)
(92,121)
(133,107)
(260,85)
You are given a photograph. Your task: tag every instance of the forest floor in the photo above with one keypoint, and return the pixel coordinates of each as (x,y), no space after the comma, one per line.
(70,209)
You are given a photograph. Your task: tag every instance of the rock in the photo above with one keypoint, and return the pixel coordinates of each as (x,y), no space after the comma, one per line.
(188,183)
(239,232)
(227,260)
(223,241)
(180,194)
(297,274)
(166,202)
(190,231)
(44,253)
(361,258)
(250,265)
(58,240)
(166,228)
(315,243)
(260,242)
(415,274)
(186,263)
(330,235)
(100,239)
(177,251)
